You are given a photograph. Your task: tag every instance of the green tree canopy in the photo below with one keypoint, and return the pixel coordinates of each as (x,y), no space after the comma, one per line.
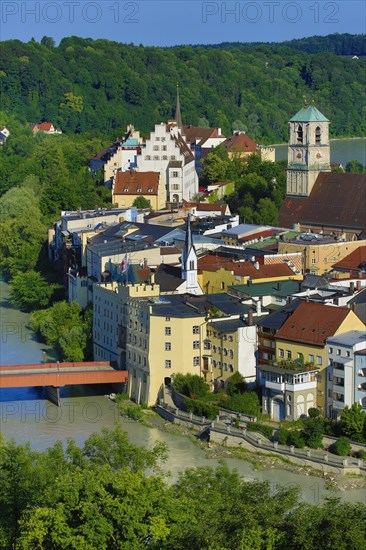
(30,290)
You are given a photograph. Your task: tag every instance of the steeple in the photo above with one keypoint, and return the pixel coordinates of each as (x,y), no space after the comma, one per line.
(178,116)
(189,262)
(308,150)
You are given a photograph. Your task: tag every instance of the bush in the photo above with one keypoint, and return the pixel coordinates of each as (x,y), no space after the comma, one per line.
(361,454)
(313,432)
(282,436)
(201,408)
(295,439)
(246,403)
(342,447)
(267,431)
(134,412)
(313,413)
(191,385)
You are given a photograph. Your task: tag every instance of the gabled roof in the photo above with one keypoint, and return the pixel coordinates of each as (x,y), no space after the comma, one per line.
(336,200)
(355,261)
(309,113)
(239,143)
(183,148)
(276,319)
(197,133)
(313,323)
(45,126)
(272,288)
(168,277)
(136,183)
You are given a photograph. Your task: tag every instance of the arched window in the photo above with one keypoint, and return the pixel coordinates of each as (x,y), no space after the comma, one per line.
(299,135)
(191,264)
(318,135)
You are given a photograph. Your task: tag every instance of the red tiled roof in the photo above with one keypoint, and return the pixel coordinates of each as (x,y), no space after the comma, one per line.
(194,133)
(312,323)
(243,269)
(240,143)
(353,261)
(336,200)
(136,183)
(45,126)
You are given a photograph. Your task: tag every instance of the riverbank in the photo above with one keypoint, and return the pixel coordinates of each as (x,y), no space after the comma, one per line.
(259,461)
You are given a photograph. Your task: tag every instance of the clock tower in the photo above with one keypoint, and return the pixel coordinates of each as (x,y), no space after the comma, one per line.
(308,150)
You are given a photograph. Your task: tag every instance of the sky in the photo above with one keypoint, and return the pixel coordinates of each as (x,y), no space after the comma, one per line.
(172,22)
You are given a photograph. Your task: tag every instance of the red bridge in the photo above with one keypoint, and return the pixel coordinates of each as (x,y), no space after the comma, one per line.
(56,375)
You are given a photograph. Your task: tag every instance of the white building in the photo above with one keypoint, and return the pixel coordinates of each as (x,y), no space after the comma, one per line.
(342,384)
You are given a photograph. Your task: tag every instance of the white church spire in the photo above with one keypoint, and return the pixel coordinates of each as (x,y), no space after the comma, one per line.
(189,262)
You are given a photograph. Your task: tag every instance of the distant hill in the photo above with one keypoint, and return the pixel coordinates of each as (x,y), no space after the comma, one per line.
(99,86)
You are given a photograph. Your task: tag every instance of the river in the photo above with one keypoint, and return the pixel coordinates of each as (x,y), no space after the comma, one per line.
(341,150)
(27,416)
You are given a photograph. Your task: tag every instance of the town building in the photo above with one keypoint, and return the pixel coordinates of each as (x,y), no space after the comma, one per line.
(128,186)
(302,338)
(320,252)
(345,382)
(46,128)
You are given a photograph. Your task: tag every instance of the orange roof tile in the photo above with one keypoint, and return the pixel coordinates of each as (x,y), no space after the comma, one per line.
(353,261)
(240,143)
(312,323)
(136,183)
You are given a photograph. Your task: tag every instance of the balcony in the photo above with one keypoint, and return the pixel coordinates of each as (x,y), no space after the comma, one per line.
(295,366)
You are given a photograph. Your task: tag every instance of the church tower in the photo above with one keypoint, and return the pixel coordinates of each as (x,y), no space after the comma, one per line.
(308,150)
(189,262)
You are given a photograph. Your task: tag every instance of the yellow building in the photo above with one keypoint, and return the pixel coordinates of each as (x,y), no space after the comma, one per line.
(303,337)
(164,337)
(233,345)
(216,274)
(128,186)
(319,252)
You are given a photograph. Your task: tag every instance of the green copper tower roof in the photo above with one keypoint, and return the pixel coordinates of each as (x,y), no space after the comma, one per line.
(309,113)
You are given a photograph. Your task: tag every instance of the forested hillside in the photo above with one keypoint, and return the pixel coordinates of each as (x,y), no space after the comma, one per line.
(97,85)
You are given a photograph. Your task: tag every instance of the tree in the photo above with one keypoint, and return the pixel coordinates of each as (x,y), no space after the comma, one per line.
(355,167)
(141,202)
(246,403)
(30,290)
(48,42)
(353,422)
(191,385)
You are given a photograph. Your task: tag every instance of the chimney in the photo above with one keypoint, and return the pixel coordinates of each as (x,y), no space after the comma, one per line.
(250,318)
(152,278)
(259,307)
(352,287)
(358,286)
(145,262)
(249,281)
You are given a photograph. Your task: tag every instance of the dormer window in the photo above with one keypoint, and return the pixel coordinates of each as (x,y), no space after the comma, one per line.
(126,190)
(150,190)
(300,135)
(172,157)
(139,190)
(318,135)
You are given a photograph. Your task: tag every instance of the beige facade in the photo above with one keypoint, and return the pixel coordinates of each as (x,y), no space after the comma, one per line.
(318,258)
(158,347)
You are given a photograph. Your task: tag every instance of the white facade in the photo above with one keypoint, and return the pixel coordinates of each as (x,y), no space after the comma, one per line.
(167,152)
(341,373)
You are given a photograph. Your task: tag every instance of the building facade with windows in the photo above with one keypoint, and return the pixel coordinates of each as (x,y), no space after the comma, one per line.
(164,337)
(346,377)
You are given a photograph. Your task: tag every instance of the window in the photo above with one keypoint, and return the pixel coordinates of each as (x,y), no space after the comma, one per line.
(191,264)
(339,351)
(196,329)
(330,393)
(222,286)
(311,358)
(325,260)
(288,354)
(168,346)
(156,157)
(225,351)
(196,361)
(164,157)
(147,157)
(172,157)
(348,353)
(313,260)
(163,147)
(167,319)
(231,338)
(168,331)
(299,134)
(319,360)
(231,368)
(163,139)
(175,187)
(156,148)
(281,352)
(168,364)
(196,344)
(318,135)
(174,174)
(330,350)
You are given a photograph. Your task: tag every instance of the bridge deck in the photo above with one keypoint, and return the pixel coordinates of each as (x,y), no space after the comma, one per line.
(60,374)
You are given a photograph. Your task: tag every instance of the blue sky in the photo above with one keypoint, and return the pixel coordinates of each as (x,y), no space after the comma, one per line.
(170,22)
